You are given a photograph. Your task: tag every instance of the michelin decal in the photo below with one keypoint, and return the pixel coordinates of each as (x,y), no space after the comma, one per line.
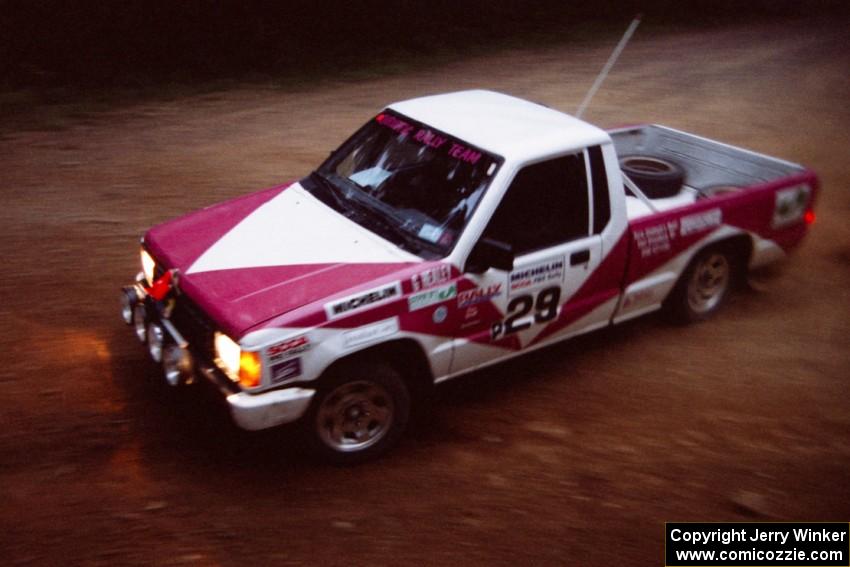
(363,299)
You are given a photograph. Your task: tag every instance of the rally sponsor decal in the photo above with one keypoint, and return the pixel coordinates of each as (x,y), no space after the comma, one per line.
(288,348)
(545,271)
(440,314)
(285,370)
(431,277)
(659,238)
(429,138)
(424,299)
(362,300)
(369,333)
(655,239)
(790,205)
(700,222)
(478,295)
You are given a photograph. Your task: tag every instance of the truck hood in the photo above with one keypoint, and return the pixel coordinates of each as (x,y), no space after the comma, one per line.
(250,259)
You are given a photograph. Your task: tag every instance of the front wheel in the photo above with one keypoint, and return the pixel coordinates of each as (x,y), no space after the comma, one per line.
(703,287)
(359,413)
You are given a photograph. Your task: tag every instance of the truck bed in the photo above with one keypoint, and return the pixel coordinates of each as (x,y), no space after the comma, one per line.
(708,164)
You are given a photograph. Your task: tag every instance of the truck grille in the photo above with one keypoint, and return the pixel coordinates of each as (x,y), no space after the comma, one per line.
(195,326)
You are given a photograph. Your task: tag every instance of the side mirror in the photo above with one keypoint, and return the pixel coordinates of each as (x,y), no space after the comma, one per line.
(489,253)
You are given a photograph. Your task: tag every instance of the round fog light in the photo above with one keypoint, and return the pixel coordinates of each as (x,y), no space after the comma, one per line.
(156,337)
(128,302)
(177,365)
(140,319)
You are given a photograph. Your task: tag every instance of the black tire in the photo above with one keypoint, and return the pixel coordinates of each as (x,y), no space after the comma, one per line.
(359,412)
(656,177)
(704,286)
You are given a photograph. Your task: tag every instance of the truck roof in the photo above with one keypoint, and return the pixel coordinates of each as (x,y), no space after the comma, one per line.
(502,124)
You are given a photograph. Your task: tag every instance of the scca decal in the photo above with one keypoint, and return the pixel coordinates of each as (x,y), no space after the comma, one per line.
(343,306)
(288,348)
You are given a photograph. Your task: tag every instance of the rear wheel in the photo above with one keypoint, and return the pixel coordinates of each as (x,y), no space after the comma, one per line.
(359,413)
(703,287)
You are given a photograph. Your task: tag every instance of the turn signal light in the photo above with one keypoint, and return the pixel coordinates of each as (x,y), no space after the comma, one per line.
(250,369)
(809,217)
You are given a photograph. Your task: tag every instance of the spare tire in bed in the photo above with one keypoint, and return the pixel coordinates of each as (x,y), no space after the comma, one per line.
(716,190)
(656,177)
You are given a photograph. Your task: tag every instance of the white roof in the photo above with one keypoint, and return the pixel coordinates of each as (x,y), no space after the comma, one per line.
(511,127)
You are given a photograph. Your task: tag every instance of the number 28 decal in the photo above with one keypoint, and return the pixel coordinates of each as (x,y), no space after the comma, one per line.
(545,309)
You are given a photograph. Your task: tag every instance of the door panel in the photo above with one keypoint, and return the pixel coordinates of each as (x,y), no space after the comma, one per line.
(510,310)
(567,274)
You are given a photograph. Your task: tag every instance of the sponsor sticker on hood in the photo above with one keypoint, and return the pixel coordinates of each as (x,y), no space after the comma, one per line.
(362,300)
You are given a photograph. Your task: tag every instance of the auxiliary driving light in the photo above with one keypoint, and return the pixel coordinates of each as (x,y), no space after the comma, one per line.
(156,339)
(140,318)
(129,298)
(177,365)
(148,265)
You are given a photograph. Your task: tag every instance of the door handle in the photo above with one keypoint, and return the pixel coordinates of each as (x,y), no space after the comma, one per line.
(580,257)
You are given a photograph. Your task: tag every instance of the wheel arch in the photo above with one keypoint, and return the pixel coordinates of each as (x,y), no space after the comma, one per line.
(739,246)
(404,354)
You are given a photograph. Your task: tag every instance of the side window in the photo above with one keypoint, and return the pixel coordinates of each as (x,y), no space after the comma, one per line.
(601,195)
(545,205)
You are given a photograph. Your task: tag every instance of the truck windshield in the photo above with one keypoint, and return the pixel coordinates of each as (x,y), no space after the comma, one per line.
(413,184)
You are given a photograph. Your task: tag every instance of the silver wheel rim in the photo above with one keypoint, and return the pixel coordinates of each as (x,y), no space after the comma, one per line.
(708,283)
(355,416)
(139,322)
(155,340)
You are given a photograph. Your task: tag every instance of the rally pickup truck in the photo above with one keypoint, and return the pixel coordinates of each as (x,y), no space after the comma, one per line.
(449,233)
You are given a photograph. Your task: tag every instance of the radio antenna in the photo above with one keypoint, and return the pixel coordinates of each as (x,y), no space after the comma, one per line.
(610,63)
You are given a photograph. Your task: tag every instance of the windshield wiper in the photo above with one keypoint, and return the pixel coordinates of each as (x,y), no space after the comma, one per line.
(390,223)
(332,190)
(359,203)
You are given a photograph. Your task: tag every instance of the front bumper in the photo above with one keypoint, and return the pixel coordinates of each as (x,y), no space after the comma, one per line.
(261,411)
(249,411)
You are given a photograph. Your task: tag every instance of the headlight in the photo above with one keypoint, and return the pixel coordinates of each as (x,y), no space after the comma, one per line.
(148,265)
(245,367)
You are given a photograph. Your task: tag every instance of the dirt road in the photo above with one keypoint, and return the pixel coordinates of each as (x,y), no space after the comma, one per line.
(572,456)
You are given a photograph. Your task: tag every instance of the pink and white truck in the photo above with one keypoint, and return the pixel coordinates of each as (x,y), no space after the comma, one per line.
(449,233)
